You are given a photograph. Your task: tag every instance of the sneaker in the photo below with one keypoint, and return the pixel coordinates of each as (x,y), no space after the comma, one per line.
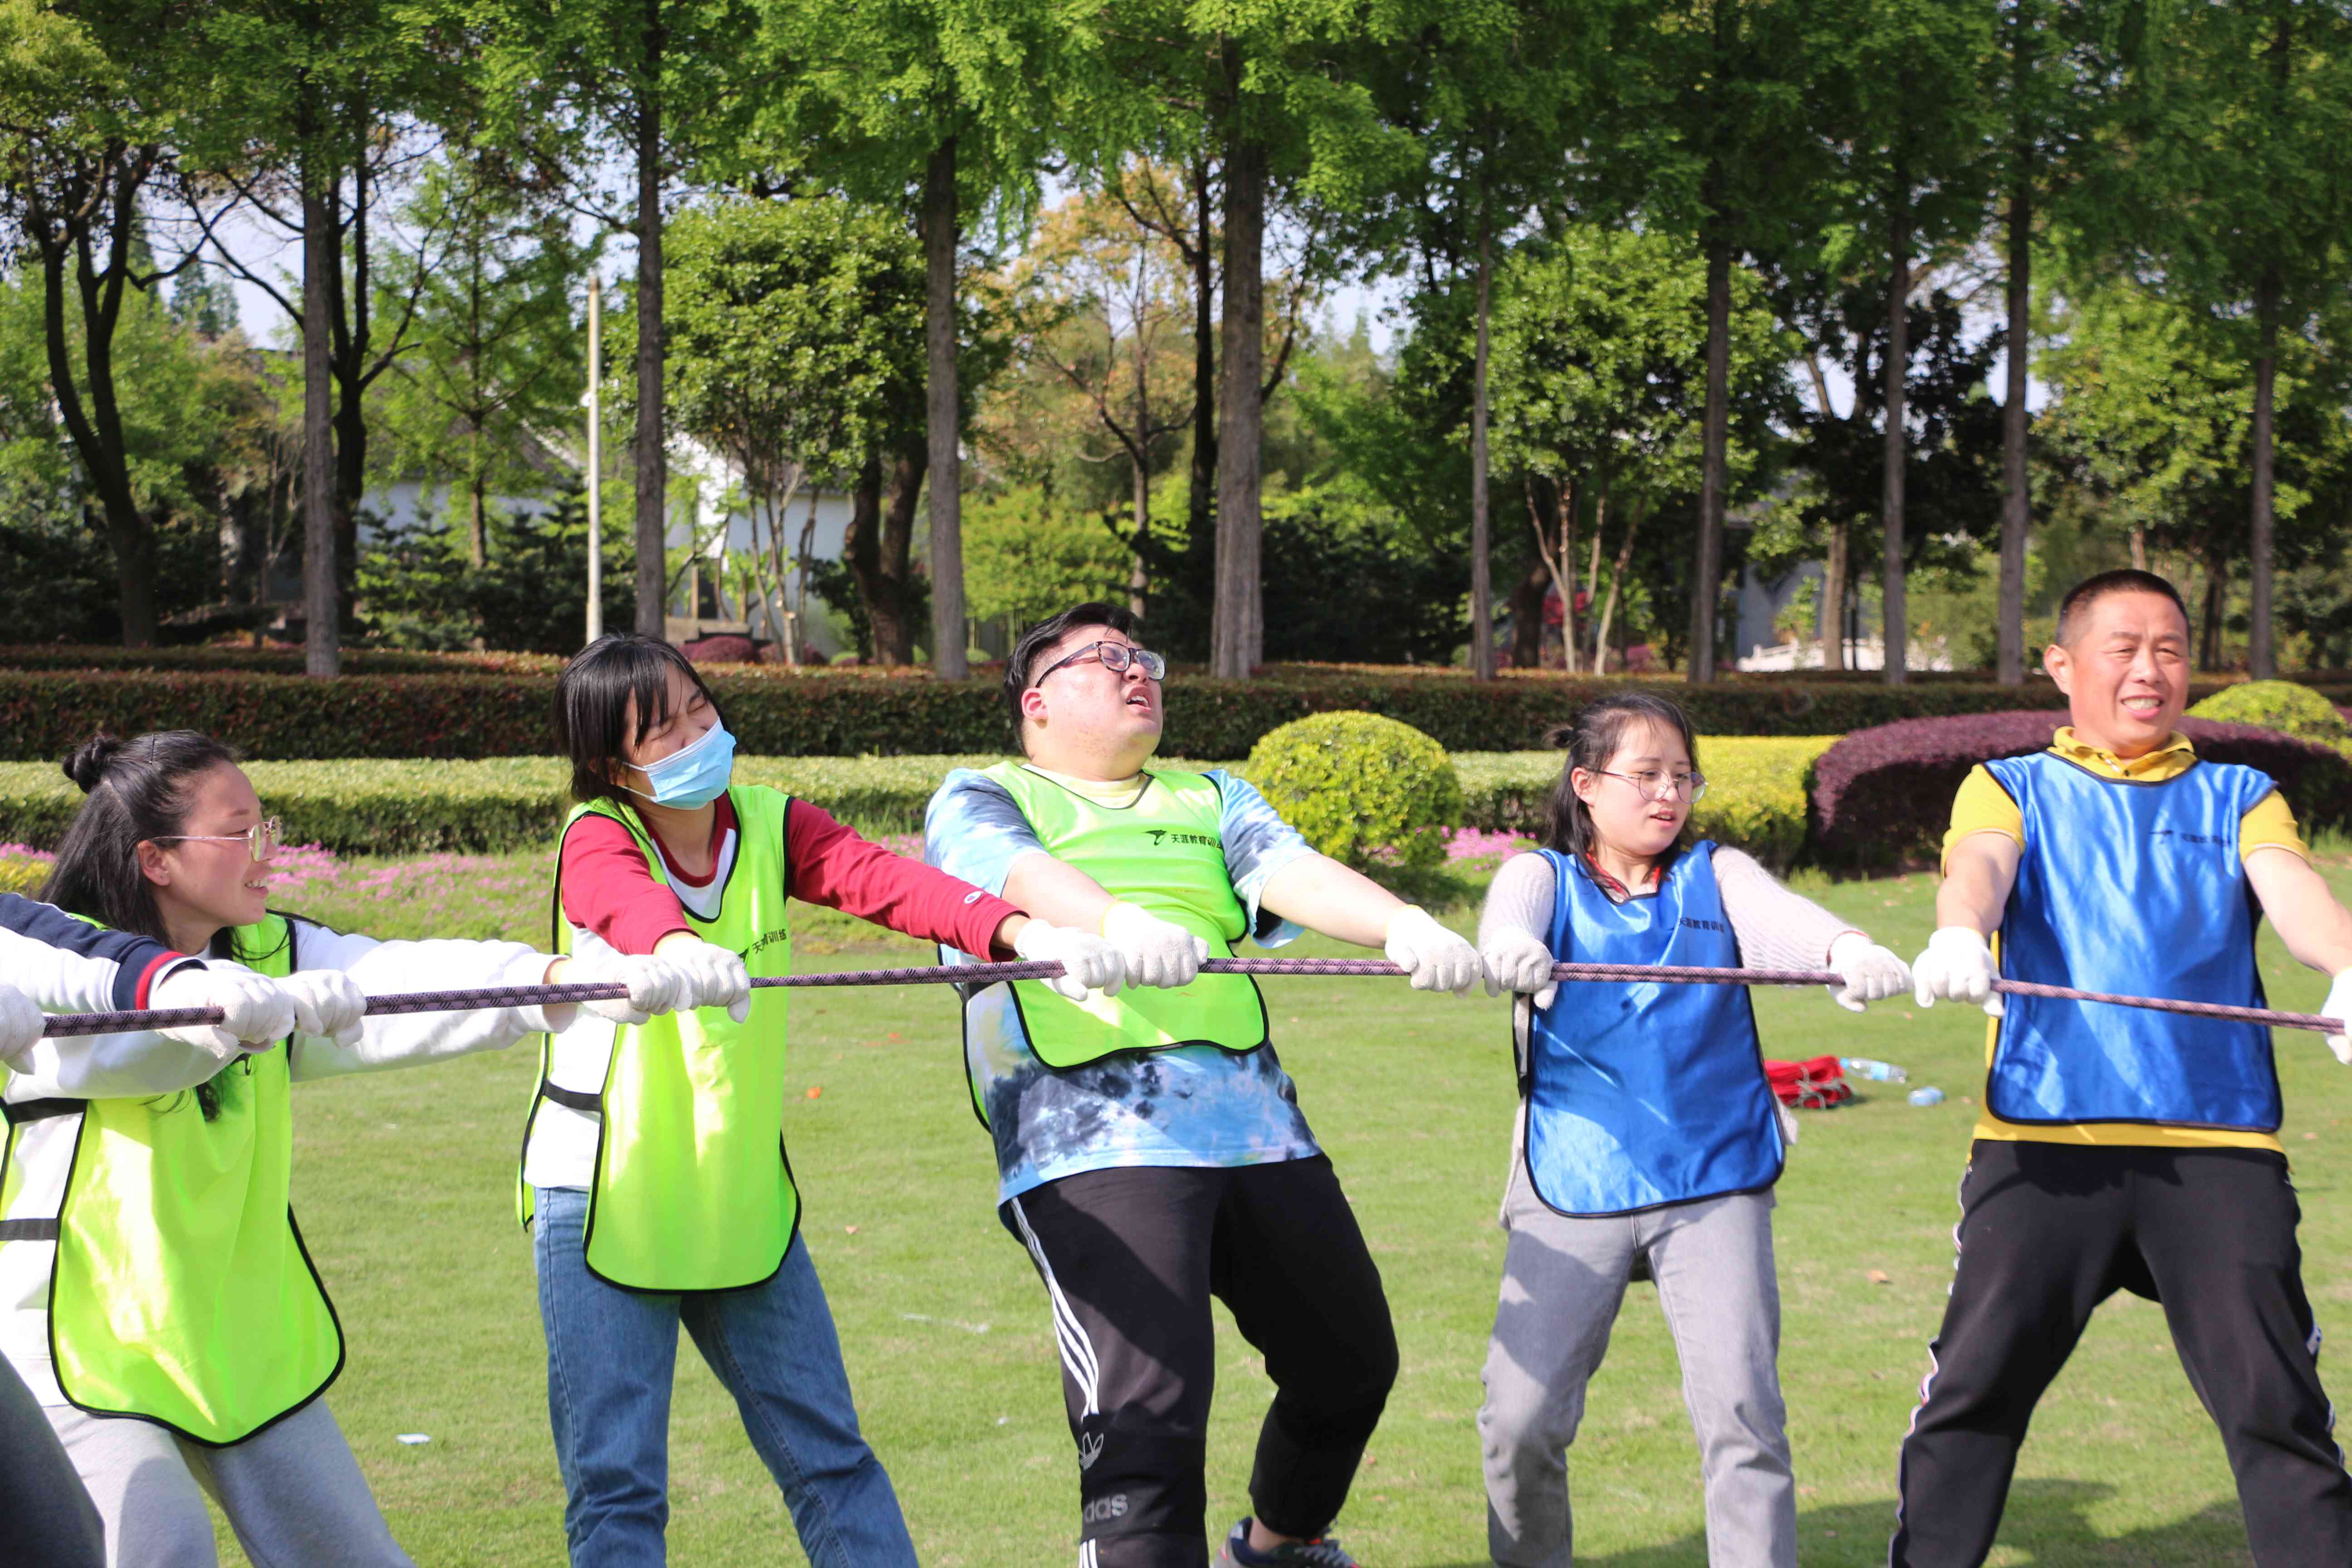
(1323,1551)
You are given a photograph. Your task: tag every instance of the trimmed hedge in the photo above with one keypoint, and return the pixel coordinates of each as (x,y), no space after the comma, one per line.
(376,808)
(1884,797)
(1756,797)
(271,660)
(44,713)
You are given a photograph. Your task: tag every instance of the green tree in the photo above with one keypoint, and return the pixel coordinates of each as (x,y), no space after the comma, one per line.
(492,357)
(178,406)
(2228,190)
(795,329)
(2153,417)
(1710,129)
(571,89)
(1491,90)
(309,111)
(1910,124)
(90,112)
(1599,383)
(944,109)
(2048,89)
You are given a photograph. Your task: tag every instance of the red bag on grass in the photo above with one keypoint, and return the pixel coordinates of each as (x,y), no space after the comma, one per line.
(1813,1085)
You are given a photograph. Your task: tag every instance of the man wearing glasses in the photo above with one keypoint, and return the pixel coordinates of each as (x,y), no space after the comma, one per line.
(1150,1147)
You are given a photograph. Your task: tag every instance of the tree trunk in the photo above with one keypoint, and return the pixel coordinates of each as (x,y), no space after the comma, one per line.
(1707,582)
(1837,575)
(350,304)
(941,413)
(1201,509)
(2217,589)
(2017,502)
(1235,632)
(97,431)
(2261,663)
(652,456)
(1633,510)
(477,523)
(1893,629)
(2017,506)
(322,642)
(1527,612)
(894,638)
(1482,585)
(1570,659)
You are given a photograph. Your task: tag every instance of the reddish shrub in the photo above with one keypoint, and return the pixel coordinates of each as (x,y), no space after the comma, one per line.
(1882,798)
(720,647)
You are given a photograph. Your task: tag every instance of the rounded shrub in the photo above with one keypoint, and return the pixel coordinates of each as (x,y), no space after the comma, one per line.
(2279,705)
(1361,787)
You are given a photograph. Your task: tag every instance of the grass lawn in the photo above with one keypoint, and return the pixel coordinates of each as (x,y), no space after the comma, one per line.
(405,1188)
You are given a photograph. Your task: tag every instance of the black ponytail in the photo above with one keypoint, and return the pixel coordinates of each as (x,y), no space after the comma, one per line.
(1591,739)
(136,789)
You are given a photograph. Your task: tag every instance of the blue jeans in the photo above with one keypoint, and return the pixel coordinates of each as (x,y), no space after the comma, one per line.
(611,1356)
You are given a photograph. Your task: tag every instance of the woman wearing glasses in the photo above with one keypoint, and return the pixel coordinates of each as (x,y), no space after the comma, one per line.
(1647,1141)
(155,1291)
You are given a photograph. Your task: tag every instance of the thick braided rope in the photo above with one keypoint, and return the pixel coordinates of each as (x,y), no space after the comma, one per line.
(986,973)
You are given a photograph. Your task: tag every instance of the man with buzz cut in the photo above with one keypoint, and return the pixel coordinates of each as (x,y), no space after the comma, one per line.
(1150,1149)
(2119,1148)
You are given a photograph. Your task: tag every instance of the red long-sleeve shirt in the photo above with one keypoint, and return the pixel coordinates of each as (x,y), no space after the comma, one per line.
(609,890)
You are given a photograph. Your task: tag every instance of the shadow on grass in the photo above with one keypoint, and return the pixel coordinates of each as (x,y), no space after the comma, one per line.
(2047,1523)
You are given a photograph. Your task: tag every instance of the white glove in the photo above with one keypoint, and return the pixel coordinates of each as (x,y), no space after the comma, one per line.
(1435,958)
(1151,950)
(20,1027)
(1089,963)
(1871,973)
(2340,1007)
(1956,967)
(1518,960)
(256,1014)
(655,985)
(715,976)
(327,1004)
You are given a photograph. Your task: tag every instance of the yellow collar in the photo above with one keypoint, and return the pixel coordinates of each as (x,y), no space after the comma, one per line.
(2168,760)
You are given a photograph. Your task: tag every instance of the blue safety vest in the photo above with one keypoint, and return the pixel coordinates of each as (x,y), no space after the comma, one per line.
(1640,1094)
(2133,887)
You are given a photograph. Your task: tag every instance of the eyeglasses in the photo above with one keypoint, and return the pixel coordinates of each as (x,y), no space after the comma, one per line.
(1114,657)
(261,839)
(1655,785)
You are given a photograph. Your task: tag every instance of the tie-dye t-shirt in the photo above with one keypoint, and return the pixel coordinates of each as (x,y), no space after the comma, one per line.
(1188,1105)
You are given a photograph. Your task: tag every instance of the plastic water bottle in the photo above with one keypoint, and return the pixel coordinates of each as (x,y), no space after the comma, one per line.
(1878,1072)
(1930,1095)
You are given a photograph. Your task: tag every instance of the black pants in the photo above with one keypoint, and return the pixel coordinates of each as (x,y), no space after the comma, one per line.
(1129,1259)
(2047,1232)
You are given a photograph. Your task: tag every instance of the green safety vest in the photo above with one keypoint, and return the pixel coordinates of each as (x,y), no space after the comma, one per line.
(1164,854)
(180,1291)
(692,1189)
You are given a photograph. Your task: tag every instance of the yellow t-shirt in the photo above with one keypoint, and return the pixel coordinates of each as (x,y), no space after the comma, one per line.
(1984,806)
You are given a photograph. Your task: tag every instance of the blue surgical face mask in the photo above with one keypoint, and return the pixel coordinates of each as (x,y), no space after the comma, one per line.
(695,774)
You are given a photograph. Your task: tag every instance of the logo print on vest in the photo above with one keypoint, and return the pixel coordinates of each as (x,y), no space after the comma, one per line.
(1173,837)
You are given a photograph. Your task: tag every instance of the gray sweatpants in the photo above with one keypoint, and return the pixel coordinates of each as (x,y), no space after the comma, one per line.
(1563,1282)
(46,1515)
(292,1492)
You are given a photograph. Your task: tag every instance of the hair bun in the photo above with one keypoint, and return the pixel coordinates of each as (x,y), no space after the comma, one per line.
(86,763)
